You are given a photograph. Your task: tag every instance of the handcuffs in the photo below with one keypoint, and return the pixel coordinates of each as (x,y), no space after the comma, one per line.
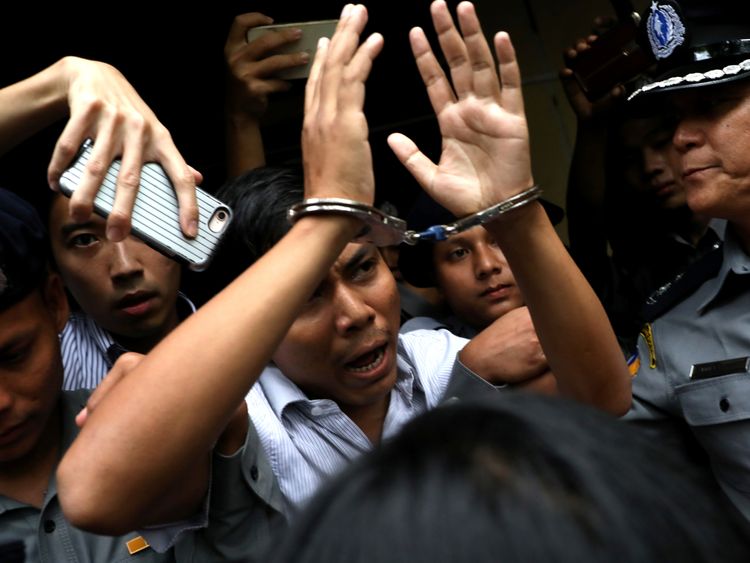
(382,229)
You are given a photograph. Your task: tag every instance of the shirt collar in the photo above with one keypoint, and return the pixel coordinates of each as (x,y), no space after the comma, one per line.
(281,392)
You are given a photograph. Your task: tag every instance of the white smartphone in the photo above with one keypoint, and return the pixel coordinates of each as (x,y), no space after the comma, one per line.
(311,32)
(155,218)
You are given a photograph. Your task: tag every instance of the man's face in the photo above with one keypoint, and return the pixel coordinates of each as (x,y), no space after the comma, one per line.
(126,287)
(342,346)
(472,273)
(649,161)
(713,142)
(30,370)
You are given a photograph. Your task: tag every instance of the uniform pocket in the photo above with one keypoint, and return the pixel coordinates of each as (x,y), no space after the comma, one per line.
(716,400)
(718,412)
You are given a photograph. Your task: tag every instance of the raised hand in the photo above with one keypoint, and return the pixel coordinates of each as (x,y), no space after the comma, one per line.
(252,66)
(485,153)
(104,106)
(336,152)
(584,109)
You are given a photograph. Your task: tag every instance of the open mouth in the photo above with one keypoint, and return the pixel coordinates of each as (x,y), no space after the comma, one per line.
(367,362)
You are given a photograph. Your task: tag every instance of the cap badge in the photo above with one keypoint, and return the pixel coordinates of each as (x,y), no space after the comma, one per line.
(665,30)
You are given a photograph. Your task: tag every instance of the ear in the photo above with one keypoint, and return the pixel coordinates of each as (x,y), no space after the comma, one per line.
(56,299)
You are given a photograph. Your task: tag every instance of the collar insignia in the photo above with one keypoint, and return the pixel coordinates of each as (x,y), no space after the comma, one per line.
(665,30)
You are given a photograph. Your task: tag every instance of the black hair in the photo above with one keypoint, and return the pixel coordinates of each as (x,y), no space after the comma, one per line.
(528,479)
(259,200)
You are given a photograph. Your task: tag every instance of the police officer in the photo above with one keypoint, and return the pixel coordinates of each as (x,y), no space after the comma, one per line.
(692,364)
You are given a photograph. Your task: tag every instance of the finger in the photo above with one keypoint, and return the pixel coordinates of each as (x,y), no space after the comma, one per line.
(183,179)
(453,47)
(270,66)
(344,44)
(485,79)
(82,417)
(66,148)
(510,75)
(268,42)
(421,167)
(128,183)
(312,87)
(359,69)
(197,176)
(439,89)
(102,154)
(241,24)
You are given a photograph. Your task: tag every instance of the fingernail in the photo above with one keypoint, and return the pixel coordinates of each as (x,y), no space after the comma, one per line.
(193,228)
(114,234)
(296,33)
(345,12)
(304,56)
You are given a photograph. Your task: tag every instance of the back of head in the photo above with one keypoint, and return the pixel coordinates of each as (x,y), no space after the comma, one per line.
(532,479)
(259,200)
(23,249)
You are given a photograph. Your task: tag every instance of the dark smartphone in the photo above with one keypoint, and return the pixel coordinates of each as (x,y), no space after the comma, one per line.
(616,57)
(155,218)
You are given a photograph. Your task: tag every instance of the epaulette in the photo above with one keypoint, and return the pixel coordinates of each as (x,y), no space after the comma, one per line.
(684,284)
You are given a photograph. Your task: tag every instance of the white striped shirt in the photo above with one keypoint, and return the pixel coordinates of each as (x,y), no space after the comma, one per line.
(89,351)
(307,441)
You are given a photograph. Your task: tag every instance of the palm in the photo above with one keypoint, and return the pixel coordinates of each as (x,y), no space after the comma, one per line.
(484,149)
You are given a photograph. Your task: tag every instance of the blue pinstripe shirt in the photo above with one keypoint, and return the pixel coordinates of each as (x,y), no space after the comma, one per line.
(89,351)
(307,441)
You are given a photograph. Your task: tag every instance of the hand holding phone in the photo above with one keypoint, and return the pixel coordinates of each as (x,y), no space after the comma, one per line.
(155,218)
(614,58)
(311,32)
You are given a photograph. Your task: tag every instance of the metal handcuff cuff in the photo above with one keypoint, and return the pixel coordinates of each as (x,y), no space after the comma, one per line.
(382,229)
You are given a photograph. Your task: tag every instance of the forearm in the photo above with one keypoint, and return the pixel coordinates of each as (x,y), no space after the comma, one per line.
(169,411)
(244,145)
(32,104)
(572,326)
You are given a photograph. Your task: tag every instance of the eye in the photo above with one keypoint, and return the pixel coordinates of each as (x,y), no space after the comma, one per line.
(15,356)
(365,268)
(83,240)
(457,254)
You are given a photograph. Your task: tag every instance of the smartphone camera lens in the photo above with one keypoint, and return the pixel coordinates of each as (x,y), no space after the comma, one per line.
(218,220)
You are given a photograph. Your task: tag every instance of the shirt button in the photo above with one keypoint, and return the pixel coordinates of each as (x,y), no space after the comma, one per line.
(254,472)
(49,526)
(724,404)
(316,411)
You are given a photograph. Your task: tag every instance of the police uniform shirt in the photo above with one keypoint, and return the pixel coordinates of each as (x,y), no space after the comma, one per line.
(711,324)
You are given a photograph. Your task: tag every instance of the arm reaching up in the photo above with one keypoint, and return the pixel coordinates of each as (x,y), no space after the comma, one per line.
(485,160)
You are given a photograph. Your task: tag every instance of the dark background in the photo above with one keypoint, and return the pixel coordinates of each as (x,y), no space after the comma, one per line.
(174,58)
